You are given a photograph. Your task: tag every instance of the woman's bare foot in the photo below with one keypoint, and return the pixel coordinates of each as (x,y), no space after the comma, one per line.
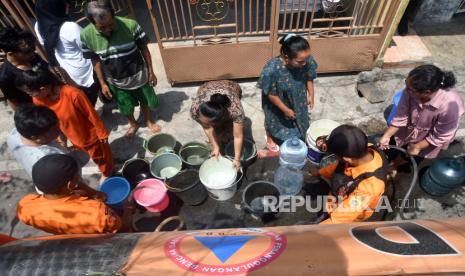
(154,127)
(132,130)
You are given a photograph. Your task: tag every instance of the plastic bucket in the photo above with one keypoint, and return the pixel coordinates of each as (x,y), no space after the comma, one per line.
(160,143)
(248,155)
(193,154)
(151,193)
(136,170)
(165,165)
(395,104)
(253,197)
(317,129)
(219,177)
(117,190)
(186,185)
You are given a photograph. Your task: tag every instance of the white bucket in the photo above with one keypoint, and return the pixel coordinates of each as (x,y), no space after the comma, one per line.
(318,128)
(219,177)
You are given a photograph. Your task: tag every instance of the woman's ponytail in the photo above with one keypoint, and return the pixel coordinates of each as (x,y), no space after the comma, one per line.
(448,80)
(216,108)
(221,100)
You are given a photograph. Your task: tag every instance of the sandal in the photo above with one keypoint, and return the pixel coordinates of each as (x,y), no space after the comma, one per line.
(271,146)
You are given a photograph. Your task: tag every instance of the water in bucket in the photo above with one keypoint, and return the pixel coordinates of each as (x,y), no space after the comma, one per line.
(258,203)
(168,172)
(196,159)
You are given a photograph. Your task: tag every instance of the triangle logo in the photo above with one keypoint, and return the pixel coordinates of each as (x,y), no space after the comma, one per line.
(224,247)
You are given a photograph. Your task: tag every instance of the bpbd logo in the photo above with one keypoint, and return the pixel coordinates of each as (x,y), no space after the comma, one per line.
(225,252)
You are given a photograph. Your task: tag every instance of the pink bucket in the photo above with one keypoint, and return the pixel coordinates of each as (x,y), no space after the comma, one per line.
(151,193)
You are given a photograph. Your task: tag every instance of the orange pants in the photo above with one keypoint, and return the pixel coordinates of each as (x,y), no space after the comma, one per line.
(101,154)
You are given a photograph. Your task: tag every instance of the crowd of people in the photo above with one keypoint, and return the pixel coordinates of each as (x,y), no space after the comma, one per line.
(54,102)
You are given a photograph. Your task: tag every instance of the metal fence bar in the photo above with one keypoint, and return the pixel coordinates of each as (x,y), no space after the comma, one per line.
(306,13)
(370,13)
(183,17)
(176,16)
(250,16)
(192,24)
(236,20)
(24,16)
(162,19)
(257,15)
(154,23)
(6,17)
(243,16)
(291,23)
(264,15)
(354,15)
(285,15)
(31,11)
(169,18)
(383,18)
(298,16)
(333,19)
(311,19)
(17,18)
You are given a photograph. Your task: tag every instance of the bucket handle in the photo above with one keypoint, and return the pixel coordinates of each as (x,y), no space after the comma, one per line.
(240,178)
(168,220)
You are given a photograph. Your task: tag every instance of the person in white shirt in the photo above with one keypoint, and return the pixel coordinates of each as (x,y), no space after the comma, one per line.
(61,40)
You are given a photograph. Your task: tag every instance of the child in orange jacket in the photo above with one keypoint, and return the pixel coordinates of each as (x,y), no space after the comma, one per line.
(78,120)
(357,178)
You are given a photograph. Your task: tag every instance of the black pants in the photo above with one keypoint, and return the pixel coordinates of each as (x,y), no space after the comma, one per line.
(92,92)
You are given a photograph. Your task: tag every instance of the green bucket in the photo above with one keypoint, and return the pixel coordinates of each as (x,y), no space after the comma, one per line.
(160,143)
(165,165)
(248,154)
(193,154)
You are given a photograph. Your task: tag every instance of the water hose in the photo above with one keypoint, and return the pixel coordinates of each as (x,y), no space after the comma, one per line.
(412,183)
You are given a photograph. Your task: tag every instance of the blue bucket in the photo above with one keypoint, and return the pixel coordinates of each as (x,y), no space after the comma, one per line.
(395,102)
(117,190)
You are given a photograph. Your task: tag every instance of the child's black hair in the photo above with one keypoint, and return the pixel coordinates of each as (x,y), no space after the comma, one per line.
(36,78)
(215,109)
(430,78)
(292,44)
(12,38)
(347,141)
(52,172)
(32,121)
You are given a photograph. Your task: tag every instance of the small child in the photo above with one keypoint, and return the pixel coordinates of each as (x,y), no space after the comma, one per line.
(34,136)
(78,120)
(64,209)
(358,176)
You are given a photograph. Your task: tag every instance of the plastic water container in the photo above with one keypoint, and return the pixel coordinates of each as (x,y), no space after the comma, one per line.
(289,180)
(395,102)
(293,153)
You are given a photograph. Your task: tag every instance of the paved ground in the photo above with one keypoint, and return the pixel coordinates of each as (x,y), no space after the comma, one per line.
(336,98)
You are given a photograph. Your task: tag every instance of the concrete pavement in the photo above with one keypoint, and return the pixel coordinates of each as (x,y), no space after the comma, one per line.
(335,98)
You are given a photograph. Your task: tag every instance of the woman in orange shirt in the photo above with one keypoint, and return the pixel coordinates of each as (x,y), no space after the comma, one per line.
(78,120)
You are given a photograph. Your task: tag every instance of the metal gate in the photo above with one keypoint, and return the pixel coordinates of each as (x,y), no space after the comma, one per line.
(226,39)
(21,14)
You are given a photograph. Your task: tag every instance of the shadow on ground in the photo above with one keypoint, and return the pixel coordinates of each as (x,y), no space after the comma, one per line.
(170,103)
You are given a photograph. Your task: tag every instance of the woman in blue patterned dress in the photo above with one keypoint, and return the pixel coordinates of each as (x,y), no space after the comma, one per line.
(287,91)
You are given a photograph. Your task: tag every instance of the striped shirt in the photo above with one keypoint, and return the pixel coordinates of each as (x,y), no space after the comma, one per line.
(122,61)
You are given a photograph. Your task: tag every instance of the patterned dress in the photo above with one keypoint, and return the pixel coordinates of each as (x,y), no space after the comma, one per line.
(290,85)
(225,87)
